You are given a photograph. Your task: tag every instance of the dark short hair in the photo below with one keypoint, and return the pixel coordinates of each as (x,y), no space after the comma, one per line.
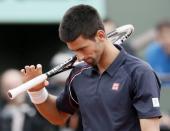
(79,20)
(163,24)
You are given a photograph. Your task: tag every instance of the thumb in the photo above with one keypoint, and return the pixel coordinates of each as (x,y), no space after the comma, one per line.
(46,83)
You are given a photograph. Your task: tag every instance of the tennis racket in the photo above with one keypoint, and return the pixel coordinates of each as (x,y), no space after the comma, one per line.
(118,36)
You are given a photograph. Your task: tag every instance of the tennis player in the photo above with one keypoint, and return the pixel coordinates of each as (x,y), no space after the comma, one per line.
(114,91)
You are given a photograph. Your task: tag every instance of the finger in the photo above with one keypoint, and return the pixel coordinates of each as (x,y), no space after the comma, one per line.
(32,67)
(22,71)
(39,68)
(27,69)
(46,83)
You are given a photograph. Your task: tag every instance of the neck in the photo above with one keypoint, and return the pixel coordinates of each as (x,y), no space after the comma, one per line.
(108,56)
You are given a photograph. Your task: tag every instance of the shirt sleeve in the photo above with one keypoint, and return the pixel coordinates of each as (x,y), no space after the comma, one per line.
(146,93)
(65,100)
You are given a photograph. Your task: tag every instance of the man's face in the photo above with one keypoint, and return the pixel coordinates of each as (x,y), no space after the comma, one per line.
(86,49)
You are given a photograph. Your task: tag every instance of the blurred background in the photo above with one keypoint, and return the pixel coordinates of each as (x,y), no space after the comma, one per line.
(29,35)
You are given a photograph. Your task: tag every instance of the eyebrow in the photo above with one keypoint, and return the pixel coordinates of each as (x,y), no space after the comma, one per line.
(78,49)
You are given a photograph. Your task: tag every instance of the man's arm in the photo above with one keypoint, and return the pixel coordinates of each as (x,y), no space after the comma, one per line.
(47,107)
(146,98)
(151,124)
(49,110)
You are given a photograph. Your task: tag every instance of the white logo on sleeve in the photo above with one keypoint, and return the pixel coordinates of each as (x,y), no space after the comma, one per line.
(155,102)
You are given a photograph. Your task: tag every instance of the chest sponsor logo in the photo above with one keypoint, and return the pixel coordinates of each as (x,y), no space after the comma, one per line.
(115,86)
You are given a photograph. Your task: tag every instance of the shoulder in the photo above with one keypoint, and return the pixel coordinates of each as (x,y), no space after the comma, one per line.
(135,65)
(141,71)
(154,47)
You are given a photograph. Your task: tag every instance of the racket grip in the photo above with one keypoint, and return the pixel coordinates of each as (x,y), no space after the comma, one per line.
(26,86)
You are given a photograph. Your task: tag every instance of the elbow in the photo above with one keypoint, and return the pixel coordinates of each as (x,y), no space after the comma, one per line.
(58,122)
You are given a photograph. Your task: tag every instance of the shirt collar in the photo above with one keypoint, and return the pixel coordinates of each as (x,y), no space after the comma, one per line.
(112,69)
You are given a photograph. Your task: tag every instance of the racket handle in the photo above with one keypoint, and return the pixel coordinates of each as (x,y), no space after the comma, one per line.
(26,86)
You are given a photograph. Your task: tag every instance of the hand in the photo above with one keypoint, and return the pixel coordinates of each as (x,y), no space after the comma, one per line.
(30,72)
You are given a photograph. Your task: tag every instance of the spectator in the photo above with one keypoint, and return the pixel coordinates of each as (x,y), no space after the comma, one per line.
(158,51)
(15,115)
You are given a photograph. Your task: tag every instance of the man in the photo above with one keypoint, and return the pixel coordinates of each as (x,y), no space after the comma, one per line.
(15,115)
(114,91)
(158,52)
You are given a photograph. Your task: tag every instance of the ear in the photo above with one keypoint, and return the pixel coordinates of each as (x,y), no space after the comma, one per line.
(101,35)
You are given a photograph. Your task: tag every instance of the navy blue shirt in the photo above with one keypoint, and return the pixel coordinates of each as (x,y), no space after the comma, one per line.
(127,91)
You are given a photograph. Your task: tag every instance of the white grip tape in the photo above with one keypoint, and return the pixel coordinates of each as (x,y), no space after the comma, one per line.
(26,86)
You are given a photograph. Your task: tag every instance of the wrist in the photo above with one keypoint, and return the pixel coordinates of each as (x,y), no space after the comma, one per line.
(38,97)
